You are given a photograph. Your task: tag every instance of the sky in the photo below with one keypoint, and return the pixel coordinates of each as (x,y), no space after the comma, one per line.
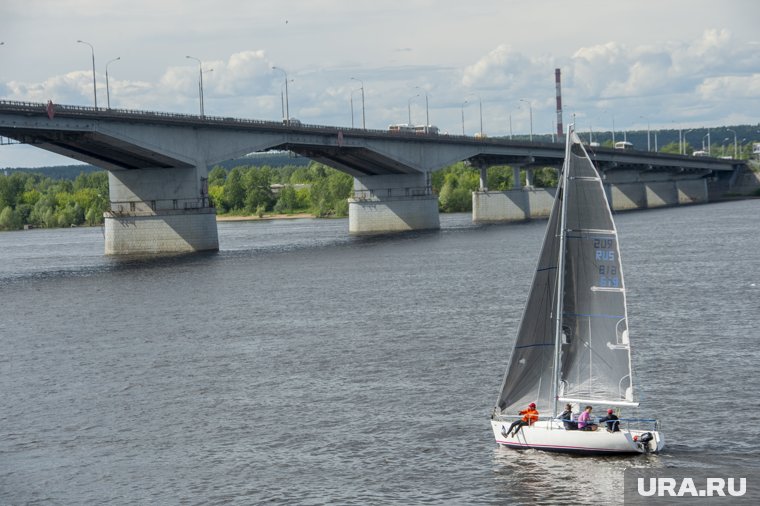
(629,64)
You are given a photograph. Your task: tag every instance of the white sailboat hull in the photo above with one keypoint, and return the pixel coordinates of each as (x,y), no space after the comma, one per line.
(550,435)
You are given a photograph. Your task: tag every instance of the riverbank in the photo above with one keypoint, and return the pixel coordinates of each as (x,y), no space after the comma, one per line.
(254,217)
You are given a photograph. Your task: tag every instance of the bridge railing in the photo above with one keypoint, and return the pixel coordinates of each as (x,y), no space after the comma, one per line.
(151,207)
(87,111)
(385,194)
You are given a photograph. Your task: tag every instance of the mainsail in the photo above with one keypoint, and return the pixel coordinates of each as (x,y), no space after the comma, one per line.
(592,350)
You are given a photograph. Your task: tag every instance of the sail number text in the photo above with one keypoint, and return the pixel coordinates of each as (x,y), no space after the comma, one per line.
(604,251)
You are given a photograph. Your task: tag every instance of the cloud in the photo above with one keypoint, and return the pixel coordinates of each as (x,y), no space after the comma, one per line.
(660,81)
(506,69)
(72,87)
(734,87)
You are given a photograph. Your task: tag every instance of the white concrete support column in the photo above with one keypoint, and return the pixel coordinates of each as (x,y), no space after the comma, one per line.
(392,203)
(158,211)
(627,196)
(484,178)
(692,191)
(661,194)
(512,205)
(528,178)
(516,183)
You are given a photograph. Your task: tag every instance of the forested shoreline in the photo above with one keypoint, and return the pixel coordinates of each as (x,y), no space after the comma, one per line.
(36,200)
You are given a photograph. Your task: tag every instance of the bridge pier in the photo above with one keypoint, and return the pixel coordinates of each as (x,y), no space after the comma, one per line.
(392,203)
(529,203)
(159,211)
(511,205)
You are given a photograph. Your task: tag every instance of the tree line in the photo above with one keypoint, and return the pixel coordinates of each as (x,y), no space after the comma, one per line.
(40,201)
(37,200)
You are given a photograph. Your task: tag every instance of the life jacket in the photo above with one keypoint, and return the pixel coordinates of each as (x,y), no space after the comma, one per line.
(530,415)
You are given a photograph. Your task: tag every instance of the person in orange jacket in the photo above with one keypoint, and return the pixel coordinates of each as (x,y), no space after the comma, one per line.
(530,416)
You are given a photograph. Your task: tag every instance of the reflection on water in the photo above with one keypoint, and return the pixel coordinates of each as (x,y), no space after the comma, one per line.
(527,476)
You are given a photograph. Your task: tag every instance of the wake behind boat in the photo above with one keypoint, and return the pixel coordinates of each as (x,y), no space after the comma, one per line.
(574,348)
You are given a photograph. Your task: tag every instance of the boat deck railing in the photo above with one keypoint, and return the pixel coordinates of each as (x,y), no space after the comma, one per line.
(624,423)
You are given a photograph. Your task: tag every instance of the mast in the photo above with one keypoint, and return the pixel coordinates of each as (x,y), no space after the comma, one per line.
(561,267)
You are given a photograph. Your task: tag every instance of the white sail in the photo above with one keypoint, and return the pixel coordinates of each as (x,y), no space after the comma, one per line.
(592,330)
(595,354)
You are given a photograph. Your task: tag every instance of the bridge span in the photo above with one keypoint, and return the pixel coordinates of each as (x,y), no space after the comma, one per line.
(158,166)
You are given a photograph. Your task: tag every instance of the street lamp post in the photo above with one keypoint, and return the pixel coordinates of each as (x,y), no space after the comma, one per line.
(736,151)
(530,107)
(287,99)
(200,82)
(204,93)
(351,101)
(94,87)
(480,106)
(463,104)
(364,124)
(409,108)
(427,110)
(480,103)
(684,140)
(108,93)
(649,146)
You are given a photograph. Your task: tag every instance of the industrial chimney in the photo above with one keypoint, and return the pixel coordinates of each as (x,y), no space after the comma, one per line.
(560,134)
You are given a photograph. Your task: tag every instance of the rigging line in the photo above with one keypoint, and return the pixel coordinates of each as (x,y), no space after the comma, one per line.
(591,350)
(537,345)
(595,315)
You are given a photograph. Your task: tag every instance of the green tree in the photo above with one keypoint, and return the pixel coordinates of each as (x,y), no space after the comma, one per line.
(499,178)
(672,148)
(545,177)
(287,200)
(11,187)
(9,219)
(258,189)
(216,194)
(42,214)
(234,192)
(217,176)
(329,194)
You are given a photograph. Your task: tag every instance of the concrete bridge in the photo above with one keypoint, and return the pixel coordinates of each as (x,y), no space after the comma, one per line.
(158,167)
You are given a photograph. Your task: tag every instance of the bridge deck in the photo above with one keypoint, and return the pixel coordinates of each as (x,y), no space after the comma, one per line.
(352,150)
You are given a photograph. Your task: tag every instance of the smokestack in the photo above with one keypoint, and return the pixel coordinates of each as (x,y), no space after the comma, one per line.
(560,134)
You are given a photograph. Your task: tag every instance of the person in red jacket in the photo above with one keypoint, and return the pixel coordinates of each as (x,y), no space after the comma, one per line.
(530,416)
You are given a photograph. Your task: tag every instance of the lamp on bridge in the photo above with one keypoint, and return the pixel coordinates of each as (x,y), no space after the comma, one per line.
(427,109)
(108,93)
(364,124)
(736,150)
(409,108)
(287,103)
(530,107)
(94,87)
(480,103)
(200,81)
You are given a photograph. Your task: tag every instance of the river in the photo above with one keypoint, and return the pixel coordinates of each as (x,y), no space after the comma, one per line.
(299,365)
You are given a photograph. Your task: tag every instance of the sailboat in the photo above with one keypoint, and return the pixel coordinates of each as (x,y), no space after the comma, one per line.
(573,345)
